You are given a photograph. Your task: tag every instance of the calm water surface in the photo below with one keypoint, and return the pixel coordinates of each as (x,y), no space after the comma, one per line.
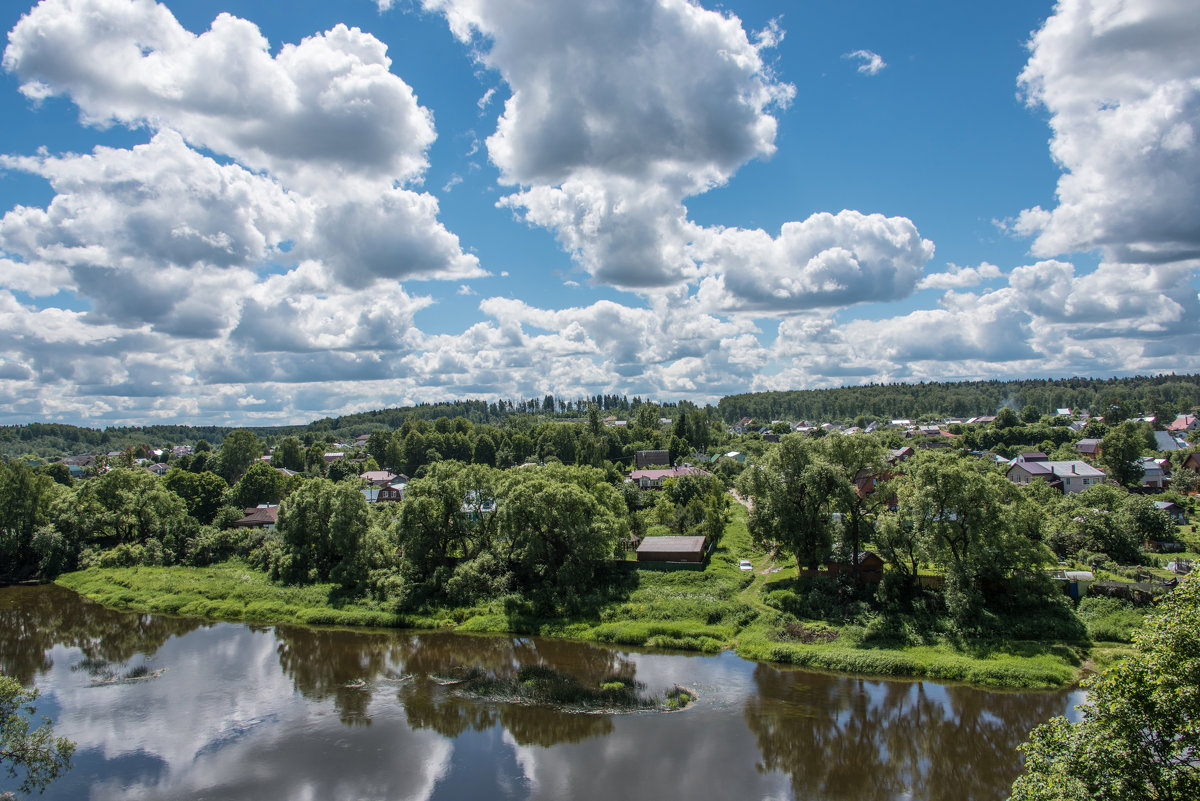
(228,711)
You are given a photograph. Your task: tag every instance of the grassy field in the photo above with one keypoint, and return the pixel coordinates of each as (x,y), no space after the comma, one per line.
(652,606)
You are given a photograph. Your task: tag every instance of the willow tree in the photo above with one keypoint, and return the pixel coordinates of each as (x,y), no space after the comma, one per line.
(794,489)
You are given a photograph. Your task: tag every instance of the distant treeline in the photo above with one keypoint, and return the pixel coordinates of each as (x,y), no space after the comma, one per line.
(55,440)
(1162,395)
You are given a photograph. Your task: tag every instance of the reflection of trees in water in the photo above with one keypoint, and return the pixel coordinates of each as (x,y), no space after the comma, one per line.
(326,663)
(346,667)
(35,619)
(430,705)
(847,738)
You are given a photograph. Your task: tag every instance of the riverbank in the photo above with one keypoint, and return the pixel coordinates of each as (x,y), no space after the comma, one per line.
(707,611)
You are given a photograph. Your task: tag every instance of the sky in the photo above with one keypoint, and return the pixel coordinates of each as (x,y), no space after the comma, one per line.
(253,213)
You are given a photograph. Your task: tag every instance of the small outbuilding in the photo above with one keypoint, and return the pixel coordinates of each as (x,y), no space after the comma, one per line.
(870,567)
(671,549)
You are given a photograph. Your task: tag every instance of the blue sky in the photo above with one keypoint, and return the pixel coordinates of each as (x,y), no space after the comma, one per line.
(263,213)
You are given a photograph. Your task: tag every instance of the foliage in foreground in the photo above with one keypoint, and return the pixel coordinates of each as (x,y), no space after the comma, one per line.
(1140,733)
(34,755)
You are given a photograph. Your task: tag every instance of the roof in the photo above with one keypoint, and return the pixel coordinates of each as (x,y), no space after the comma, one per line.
(1163,441)
(260,516)
(1060,469)
(671,545)
(1182,422)
(1088,445)
(668,472)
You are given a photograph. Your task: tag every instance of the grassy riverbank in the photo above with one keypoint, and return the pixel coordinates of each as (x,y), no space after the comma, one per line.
(707,610)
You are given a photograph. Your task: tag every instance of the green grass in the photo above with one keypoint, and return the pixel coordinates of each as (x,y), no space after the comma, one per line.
(228,591)
(1111,619)
(650,606)
(1024,665)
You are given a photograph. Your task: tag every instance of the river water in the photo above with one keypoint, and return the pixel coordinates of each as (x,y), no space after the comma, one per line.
(174,708)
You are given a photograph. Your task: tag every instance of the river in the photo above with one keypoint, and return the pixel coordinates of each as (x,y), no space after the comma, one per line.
(176,708)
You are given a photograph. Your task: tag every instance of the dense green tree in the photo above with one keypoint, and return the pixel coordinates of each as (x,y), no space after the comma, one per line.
(1121,448)
(1092,521)
(60,473)
(793,489)
(1006,418)
(485,451)
(35,756)
(320,526)
(289,454)
(341,469)
(556,526)
(314,459)
(202,493)
(1031,414)
(1140,730)
(393,458)
(377,445)
(26,498)
(261,483)
(859,458)
(128,506)
(239,449)
(962,520)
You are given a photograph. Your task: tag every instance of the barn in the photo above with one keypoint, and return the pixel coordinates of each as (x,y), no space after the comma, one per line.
(671,549)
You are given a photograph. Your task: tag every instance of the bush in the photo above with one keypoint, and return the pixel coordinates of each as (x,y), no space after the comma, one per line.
(1111,619)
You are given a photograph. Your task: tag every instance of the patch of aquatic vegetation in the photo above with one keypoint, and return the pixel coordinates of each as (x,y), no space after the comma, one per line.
(101,671)
(541,685)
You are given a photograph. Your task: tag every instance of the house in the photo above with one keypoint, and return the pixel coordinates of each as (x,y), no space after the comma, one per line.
(262,516)
(1088,448)
(1067,477)
(870,567)
(1153,474)
(1185,422)
(378,478)
(742,425)
(1166,442)
(157,468)
(475,505)
(1063,412)
(334,456)
(653,479)
(1174,510)
(645,459)
(671,549)
(393,493)
(1192,462)
(371,494)
(900,455)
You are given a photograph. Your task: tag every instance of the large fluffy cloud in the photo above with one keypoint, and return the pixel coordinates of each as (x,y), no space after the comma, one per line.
(1121,81)
(827,260)
(326,106)
(663,91)
(619,110)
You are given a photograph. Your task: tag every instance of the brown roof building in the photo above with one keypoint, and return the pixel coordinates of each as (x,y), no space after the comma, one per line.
(671,549)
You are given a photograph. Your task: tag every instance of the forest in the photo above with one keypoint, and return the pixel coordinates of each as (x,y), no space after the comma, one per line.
(1162,396)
